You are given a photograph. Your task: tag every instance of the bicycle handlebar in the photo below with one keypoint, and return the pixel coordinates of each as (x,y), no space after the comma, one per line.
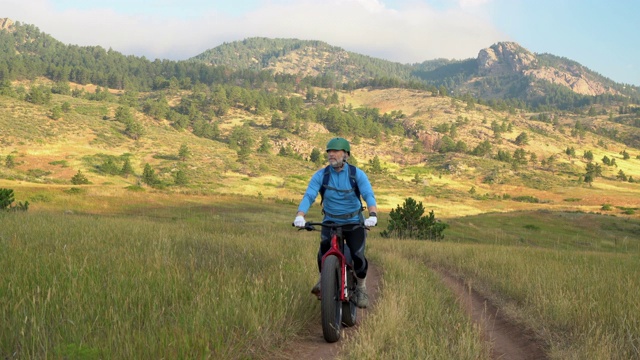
(309,225)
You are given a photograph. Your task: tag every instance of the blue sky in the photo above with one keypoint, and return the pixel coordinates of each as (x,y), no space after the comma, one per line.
(599,34)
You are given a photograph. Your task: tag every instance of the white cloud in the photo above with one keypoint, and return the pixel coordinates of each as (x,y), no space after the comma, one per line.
(472,3)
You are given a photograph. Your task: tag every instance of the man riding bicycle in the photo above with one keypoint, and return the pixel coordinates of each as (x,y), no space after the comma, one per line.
(341,186)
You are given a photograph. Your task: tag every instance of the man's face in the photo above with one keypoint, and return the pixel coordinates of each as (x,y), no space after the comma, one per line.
(336,157)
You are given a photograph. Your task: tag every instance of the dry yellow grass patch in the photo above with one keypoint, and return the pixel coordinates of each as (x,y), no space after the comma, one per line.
(91,88)
(387,100)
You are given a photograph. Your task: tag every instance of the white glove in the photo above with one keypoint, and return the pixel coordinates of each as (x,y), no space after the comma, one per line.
(371,221)
(299,221)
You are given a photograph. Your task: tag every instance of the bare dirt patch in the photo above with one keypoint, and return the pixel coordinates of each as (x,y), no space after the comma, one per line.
(311,344)
(506,339)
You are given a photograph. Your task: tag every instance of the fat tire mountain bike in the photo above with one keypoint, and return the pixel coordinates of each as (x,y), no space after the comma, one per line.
(337,282)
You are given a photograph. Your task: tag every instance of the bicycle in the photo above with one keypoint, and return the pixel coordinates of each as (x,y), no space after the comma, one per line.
(337,282)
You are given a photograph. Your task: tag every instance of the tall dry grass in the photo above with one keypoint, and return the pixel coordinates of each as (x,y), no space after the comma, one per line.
(416,316)
(584,304)
(227,277)
(123,287)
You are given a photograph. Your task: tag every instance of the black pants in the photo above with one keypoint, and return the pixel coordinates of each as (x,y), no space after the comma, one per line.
(356,240)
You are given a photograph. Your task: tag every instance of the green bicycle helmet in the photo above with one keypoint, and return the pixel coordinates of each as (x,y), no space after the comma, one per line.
(339,144)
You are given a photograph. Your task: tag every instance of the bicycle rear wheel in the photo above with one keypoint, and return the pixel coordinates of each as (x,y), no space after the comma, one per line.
(331,306)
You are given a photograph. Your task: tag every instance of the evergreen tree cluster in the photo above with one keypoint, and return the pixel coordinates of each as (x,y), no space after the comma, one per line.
(407,221)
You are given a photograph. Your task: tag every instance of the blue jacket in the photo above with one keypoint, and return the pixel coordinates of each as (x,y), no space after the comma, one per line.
(337,202)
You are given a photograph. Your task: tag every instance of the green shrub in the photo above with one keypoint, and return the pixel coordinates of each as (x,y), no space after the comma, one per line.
(6,201)
(74,190)
(407,222)
(6,198)
(79,179)
(526,198)
(62,163)
(38,173)
(10,161)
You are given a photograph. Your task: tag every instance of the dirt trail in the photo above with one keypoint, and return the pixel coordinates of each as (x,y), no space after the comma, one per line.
(507,340)
(312,345)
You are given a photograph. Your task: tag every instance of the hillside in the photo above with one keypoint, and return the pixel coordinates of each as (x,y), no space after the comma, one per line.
(505,71)
(47,153)
(251,132)
(303,58)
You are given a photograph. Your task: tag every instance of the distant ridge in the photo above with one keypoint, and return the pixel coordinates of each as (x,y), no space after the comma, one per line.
(504,72)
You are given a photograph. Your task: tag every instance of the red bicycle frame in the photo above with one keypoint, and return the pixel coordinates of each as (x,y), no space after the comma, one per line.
(335,250)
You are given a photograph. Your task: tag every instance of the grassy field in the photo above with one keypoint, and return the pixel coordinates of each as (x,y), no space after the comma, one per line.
(583,304)
(213,269)
(161,275)
(179,282)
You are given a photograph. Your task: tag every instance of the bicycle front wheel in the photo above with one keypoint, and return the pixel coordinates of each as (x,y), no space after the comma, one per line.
(331,306)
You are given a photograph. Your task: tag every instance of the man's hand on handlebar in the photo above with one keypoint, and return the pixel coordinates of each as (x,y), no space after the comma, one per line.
(299,221)
(371,221)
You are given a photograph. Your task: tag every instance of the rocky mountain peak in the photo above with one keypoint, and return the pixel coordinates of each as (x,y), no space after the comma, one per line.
(505,58)
(508,58)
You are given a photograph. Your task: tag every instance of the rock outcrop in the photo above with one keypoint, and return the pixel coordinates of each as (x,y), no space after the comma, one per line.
(6,23)
(505,58)
(571,78)
(508,58)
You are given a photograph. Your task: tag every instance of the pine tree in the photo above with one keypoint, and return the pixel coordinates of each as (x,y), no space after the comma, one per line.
(407,222)
(316,156)
(522,139)
(588,155)
(374,165)
(180,178)
(10,162)
(134,129)
(127,169)
(625,155)
(241,141)
(184,153)
(149,176)
(6,198)
(56,112)
(265,145)
(79,179)
(109,166)
(622,176)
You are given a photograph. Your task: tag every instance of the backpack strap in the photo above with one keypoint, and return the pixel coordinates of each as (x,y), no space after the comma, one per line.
(352,180)
(325,182)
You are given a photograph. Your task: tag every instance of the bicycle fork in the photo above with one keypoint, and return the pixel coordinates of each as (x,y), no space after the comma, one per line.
(344,284)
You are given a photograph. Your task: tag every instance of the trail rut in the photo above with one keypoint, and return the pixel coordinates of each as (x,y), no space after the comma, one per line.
(506,339)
